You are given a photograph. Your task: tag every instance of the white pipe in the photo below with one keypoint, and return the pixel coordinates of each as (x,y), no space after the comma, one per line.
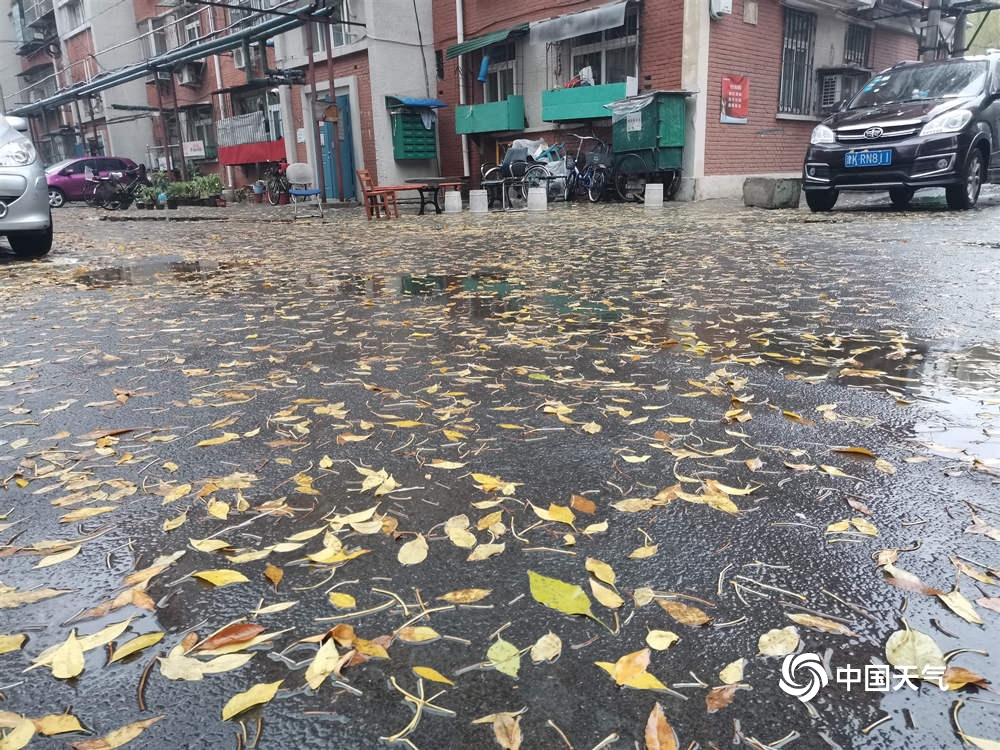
(460,37)
(217,66)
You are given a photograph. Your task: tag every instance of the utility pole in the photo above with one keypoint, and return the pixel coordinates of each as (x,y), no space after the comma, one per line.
(932,31)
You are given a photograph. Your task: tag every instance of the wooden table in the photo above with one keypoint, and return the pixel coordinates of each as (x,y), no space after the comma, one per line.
(430,187)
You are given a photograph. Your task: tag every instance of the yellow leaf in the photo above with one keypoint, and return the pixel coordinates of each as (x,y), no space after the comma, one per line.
(838,527)
(58,557)
(559,595)
(661,640)
(833,471)
(605,596)
(635,459)
(342,601)
(562,514)
(466,596)
(647,550)
(601,570)
(864,526)
(504,657)
(270,609)
(546,648)
(418,634)
(51,724)
(961,606)
(853,450)
(821,623)
(174,523)
(733,672)
(779,641)
(432,674)
(67,660)
(484,551)
(117,738)
(218,509)
(439,463)
(255,696)
(325,663)
(82,514)
(176,493)
(21,734)
(208,545)
(884,466)
(414,551)
(406,423)
(220,576)
(10,643)
(591,428)
(224,438)
(135,645)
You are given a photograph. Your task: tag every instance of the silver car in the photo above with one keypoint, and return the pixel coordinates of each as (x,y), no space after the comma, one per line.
(25,216)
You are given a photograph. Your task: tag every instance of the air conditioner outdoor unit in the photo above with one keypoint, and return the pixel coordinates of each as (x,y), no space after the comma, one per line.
(831,91)
(189,75)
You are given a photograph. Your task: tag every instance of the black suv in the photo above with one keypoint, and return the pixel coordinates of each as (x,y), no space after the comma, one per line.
(914,125)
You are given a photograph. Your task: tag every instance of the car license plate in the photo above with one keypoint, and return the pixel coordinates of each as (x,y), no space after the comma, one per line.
(880,158)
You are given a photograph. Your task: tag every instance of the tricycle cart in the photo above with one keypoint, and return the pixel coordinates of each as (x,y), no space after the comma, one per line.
(648,137)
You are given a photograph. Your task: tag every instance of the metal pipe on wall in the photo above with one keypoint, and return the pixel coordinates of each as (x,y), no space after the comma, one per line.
(460,37)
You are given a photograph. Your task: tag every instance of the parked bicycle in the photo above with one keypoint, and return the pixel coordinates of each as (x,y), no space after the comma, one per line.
(118,190)
(277,184)
(509,182)
(591,173)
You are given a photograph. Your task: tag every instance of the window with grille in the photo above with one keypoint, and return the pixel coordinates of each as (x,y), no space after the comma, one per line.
(610,54)
(75,15)
(798,42)
(857,44)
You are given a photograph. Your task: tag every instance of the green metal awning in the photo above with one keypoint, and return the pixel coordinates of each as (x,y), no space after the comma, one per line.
(470,45)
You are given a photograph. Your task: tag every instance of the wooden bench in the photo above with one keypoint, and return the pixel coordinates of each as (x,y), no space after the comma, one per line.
(384,198)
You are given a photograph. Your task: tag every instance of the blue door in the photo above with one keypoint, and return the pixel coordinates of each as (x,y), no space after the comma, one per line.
(342,130)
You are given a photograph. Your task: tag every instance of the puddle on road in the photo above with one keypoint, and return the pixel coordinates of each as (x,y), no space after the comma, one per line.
(156,271)
(963,387)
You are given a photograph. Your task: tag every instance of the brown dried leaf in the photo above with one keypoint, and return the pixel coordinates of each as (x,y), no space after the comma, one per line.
(907,581)
(231,634)
(956,678)
(507,731)
(820,623)
(583,505)
(659,734)
(720,697)
(466,596)
(684,613)
(630,666)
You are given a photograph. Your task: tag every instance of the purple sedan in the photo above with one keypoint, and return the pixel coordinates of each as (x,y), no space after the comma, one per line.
(68,179)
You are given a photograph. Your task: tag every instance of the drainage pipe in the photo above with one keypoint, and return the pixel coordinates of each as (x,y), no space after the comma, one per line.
(460,37)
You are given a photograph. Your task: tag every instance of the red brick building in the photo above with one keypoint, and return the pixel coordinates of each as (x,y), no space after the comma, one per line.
(782,65)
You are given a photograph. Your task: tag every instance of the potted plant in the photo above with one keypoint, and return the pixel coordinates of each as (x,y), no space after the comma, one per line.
(147,197)
(175,191)
(211,189)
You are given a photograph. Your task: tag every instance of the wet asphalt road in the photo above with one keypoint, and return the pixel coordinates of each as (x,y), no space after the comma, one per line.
(605,352)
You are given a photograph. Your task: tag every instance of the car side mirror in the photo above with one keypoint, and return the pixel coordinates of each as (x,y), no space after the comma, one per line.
(19,124)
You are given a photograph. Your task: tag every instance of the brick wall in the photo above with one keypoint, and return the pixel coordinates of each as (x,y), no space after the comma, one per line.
(767,143)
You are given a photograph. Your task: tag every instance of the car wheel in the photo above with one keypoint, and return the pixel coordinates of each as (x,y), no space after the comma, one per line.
(821,200)
(964,195)
(31,244)
(57,198)
(901,197)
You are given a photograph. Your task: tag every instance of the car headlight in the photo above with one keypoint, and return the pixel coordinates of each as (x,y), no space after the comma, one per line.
(822,134)
(17,154)
(949,122)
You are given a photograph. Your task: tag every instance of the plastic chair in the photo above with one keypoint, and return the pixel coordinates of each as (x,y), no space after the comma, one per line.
(300,175)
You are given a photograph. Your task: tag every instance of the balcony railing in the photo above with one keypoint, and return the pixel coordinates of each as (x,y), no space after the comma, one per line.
(37,10)
(581,102)
(242,129)
(492,117)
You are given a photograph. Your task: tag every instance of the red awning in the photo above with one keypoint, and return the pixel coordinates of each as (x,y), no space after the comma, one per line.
(251,153)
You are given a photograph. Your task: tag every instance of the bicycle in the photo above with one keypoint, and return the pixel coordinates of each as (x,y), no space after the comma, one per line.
(118,190)
(511,180)
(632,172)
(277,184)
(595,175)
